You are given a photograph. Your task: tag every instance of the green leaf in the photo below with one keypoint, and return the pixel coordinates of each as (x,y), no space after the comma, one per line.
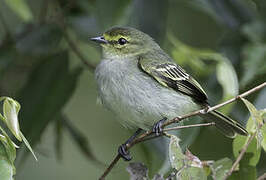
(137,171)
(263,114)
(59,136)
(28,145)
(252,155)
(48,89)
(7,169)
(245,172)
(41,40)
(192,173)
(257,120)
(10,111)
(227,78)
(176,155)
(194,58)
(188,56)
(255,31)
(188,166)
(10,147)
(261,7)
(21,8)
(263,143)
(220,168)
(253,63)
(7,156)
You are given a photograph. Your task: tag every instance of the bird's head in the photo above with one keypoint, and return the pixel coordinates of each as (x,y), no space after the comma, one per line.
(124,41)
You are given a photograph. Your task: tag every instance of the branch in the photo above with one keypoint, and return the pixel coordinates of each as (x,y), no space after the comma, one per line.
(142,137)
(189,126)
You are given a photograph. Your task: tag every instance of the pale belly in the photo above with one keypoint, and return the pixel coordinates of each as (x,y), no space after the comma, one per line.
(138,100)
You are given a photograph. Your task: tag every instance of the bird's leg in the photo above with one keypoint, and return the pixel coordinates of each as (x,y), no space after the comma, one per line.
(157,127)
(122,150)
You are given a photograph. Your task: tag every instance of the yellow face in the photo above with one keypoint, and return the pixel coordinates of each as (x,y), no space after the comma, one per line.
(121,42)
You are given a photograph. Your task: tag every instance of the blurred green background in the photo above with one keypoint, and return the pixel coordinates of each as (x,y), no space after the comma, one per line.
(47,62)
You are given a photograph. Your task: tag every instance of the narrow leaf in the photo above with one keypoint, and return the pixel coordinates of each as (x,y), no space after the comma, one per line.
(28,145)
(41,40)
(254,62)
(257,120)
(255,114)
(10,111)
(226,76)
(43,101)
(21,8)
(9,145)
(7,169)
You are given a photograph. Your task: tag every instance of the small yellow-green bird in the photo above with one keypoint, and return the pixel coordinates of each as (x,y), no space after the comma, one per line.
(142,85)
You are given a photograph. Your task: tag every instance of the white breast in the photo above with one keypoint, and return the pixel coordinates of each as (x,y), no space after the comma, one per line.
(135,97)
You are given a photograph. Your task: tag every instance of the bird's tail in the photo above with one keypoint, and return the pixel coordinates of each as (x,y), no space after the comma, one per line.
(226,125)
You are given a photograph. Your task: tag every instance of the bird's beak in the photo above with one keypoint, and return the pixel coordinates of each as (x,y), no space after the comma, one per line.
(99,39)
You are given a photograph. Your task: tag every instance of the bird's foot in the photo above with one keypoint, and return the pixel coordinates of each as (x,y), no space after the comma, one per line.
(157,127)
(122,150)
(205,110)
(124,153)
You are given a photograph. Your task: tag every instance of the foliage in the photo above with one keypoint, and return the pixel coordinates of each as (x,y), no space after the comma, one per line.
(8,147)
(188,166)
(45,57)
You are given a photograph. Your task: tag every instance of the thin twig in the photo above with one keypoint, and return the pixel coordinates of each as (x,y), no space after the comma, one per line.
(189,126)
(145,138)
(240,156)
(110,167)
(238,97)
(178,119)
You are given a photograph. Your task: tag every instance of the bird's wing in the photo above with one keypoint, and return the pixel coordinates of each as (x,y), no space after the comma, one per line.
(171,75)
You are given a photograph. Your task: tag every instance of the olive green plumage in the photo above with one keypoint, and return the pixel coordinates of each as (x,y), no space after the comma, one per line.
(140,83)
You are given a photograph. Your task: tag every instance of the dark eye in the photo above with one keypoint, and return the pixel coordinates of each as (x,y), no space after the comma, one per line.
(122,41)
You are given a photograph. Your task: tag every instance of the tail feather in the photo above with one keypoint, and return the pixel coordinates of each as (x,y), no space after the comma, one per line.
(226,125)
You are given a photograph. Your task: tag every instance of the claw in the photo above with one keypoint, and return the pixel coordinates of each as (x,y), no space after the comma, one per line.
(122,150)
(157,127)
(124,153)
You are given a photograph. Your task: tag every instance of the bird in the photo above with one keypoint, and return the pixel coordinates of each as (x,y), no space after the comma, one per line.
(141,84)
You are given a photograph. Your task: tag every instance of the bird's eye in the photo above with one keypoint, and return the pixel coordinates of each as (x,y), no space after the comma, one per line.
(122,41)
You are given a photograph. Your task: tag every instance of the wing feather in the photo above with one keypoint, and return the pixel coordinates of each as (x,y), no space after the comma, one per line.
(173,76)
